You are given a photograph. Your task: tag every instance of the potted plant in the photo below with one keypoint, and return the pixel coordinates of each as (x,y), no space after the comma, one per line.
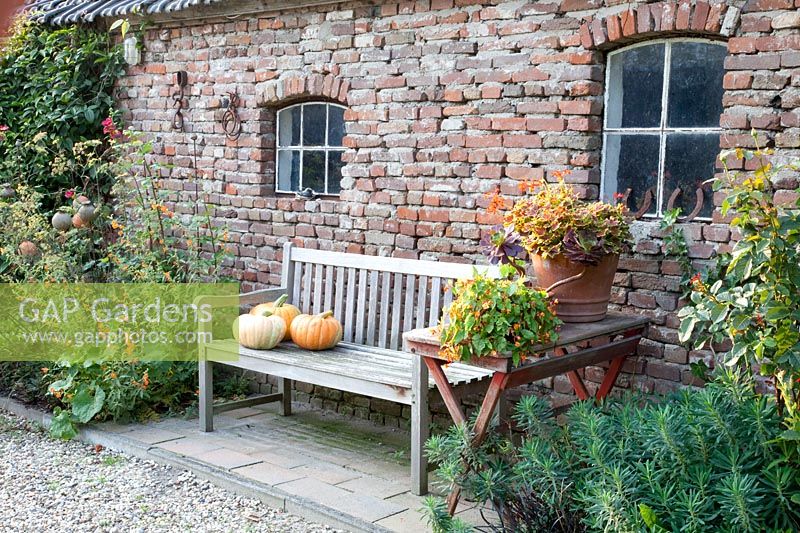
(497,318)
(573,246)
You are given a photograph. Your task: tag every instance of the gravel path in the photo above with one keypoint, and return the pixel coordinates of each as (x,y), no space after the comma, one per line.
(48,485)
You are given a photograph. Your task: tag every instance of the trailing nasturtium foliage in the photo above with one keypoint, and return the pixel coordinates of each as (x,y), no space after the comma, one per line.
(56,87)
(752,298)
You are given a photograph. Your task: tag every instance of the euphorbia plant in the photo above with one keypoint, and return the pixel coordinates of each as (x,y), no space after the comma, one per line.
(497,317)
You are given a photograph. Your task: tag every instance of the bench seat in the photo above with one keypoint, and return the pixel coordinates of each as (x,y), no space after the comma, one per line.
(376,372)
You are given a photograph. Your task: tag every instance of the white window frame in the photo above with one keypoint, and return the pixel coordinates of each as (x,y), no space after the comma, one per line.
(662,130)
(292,148)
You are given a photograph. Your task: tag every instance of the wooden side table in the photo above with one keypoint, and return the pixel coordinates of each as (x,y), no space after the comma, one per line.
(620,334)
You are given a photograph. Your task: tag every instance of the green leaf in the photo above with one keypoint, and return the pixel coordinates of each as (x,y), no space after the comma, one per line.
(648,515)
(61,425)
(85,405)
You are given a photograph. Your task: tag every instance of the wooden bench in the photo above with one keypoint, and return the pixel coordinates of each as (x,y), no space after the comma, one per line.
(376,299)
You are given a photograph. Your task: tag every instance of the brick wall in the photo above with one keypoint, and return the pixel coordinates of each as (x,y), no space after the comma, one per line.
(447,100)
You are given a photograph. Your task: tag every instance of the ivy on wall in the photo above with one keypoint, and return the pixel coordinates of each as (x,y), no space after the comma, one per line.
(56,87)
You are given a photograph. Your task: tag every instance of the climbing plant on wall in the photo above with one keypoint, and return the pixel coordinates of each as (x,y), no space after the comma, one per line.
(56,87)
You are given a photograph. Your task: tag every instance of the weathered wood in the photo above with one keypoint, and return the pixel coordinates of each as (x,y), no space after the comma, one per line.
(397,306)
(307,283)
(298,276)
(317,302)
(383,325)
(338,308)
(247,402)
(206,400)
(285,393)
(347,320)
(435,307)
(420,417)
(446,390)
(372,313)
(361,307)
(408,307)
(392,264)
(422,298)
(328,303)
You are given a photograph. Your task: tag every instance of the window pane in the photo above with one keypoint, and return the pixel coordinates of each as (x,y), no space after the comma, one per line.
(636,78)
(335,125)
(288,170)
(314,124)
(289,126)
(695,85)
(690,160)
(631,163)
(314,170)
(335,165)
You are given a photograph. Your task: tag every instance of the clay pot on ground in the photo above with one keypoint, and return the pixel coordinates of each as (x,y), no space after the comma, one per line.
(28,249)
(7,191)
(62,221)
(78,222)
(87,212)
(582,291)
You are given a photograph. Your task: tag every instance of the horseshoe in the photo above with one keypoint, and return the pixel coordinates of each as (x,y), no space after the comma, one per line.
(698,205)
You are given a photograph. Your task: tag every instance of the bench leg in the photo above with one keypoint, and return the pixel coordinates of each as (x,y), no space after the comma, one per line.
(419,427)
(206,396)
(285,388)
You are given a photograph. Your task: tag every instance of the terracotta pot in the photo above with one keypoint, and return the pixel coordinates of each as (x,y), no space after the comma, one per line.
(581,300)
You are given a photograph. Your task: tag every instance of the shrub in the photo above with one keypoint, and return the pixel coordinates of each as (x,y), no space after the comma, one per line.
(55,89)
(702,460)
(752,298)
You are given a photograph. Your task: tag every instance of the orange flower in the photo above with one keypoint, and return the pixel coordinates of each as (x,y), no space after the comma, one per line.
(496,202)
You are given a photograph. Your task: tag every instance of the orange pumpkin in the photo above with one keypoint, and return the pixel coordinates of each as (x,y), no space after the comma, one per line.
(280,308)
(316,332)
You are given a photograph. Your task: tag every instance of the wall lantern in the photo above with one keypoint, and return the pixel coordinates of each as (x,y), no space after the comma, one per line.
(130,47)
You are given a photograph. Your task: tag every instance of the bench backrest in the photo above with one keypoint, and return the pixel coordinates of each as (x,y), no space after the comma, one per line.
(375,298)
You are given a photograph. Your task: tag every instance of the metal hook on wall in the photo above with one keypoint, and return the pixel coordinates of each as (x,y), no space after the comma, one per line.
(231,123)
(179,100)
(646,202)
(698,204)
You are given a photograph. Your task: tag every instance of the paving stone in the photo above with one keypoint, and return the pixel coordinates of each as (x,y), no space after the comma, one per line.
(244,412)
(410,521)
(151,435)
(381,468)
(226,458)
(190,446)
(364,507)
(374,486)
(282,458)
(268,473)
(327,472)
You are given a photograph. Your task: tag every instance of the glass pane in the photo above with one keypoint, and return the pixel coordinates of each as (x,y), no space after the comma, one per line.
(335,125)
(314,124)
(635,81)
(695,85)
(288,170)
(631,163)
(335,165)
(314,170)
(289,126)
(690,160)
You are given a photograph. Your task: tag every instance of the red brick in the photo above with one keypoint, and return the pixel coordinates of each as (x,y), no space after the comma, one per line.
(644,19)
(701,11)
(546,124)
(767,5)
(586,35)
(522,141)
(598,32)
(580,107)
(714,19)
(742,45)
(755,62)
(508,123)
(683,15)
(483,141)
(614,28)
(627,20)
(668,16)
(737,80)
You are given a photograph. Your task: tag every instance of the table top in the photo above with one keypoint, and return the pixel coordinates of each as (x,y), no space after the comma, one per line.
(425,341)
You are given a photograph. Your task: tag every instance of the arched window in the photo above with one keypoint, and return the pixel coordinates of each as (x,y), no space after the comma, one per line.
(309,151)
(661,130)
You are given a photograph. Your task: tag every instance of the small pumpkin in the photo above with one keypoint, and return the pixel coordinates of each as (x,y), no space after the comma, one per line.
(316,332)
(279,307)
(259,332)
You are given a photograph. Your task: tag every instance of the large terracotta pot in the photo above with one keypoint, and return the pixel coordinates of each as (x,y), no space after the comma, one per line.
(584,299)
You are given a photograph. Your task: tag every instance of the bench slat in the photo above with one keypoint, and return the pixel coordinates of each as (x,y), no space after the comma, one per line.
(328,288)
(347,321)
(408,311)
(306,298)
(372,317)
(376,365)
(383,327)
(298,276)
(422,294)
(318,289)
(436,294)
(397,309)
(338,310)
(361,307)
